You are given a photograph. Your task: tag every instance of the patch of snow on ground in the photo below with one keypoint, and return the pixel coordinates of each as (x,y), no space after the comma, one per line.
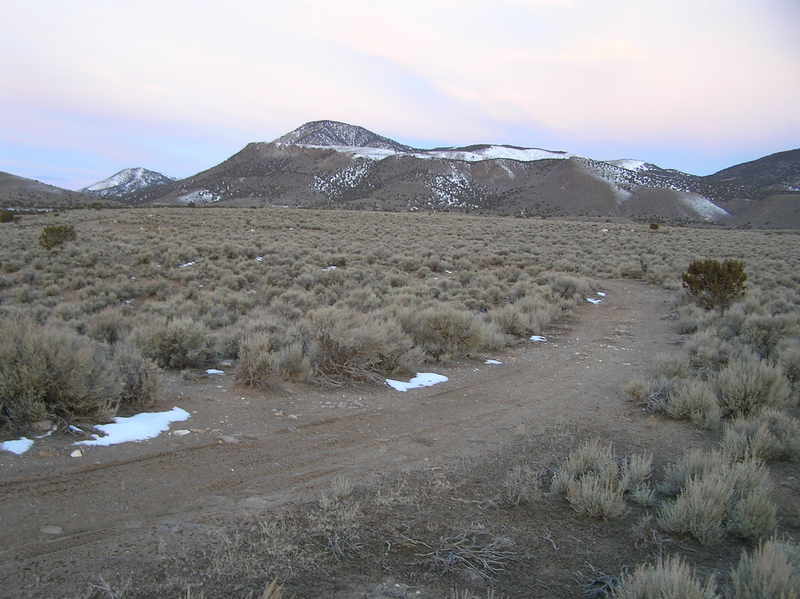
(423,379)
(146,425)
(538,338)
(703,206)
(492,362)
(17,446)
(594,300)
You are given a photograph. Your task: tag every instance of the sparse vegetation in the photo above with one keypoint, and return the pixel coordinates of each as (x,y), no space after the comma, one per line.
(145,291)
(668,577)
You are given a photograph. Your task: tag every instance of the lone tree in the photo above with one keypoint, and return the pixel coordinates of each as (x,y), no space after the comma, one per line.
(715,284)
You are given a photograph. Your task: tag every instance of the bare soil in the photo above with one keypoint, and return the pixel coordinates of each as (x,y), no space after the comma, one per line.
(117,510)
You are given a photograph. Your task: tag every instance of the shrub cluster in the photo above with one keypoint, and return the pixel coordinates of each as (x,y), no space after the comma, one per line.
(596,482)
(718,498)
(772,571)
(47,372)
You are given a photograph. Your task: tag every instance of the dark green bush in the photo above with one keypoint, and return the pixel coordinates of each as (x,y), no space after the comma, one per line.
(715,284)
(8,216)
(56,235)
(54,373)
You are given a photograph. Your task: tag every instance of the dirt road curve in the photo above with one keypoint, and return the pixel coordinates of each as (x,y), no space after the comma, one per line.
(291,441)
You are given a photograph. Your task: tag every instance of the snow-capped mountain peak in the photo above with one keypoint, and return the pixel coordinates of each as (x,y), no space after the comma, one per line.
(128,180)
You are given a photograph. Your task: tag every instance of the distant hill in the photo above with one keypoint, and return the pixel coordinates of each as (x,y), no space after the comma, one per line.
(19,192)
(334,165)
(329,164)
(780,172)
(128,181)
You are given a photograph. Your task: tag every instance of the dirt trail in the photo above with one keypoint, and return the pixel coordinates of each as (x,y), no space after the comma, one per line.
(291,442)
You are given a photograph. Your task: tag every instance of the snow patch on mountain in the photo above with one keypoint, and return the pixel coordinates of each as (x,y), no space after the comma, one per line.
(704,207)
(495,153)
(632,165)
(127,181)
(200,197)
(335,185)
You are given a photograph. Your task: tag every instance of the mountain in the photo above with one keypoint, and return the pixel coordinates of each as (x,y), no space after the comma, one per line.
(780,172)
(19,192)
(128,181)
(328,164)
(334,165)
(333,133)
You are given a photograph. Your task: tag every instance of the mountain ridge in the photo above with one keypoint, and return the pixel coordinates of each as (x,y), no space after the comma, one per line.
(329,164)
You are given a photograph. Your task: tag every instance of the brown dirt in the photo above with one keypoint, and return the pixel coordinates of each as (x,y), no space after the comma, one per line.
(292,441)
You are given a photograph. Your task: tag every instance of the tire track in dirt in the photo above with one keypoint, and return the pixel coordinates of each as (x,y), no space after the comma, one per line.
(409,430)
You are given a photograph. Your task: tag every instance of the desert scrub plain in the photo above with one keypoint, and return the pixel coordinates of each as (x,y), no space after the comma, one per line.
(93,326)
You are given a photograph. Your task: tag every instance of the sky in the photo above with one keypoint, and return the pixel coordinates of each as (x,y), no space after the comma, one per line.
(89,87)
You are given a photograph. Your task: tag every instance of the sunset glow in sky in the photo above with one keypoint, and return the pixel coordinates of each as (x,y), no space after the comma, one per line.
(89,87)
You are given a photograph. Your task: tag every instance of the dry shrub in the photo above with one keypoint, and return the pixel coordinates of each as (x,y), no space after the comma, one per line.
(444,332)
(772,571)
(694,400)
(596,497)
(141,377)
(51,372)
(348,346)
(178,343)
(749,384)
(263,360)
(596,481)
(708,352)
(670,365)
(565,286)
(764,333)
(789,361)
(770,435)
(669,578)
(722,499)
(695,463)
(522,484)
(109,326)
(512,321)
